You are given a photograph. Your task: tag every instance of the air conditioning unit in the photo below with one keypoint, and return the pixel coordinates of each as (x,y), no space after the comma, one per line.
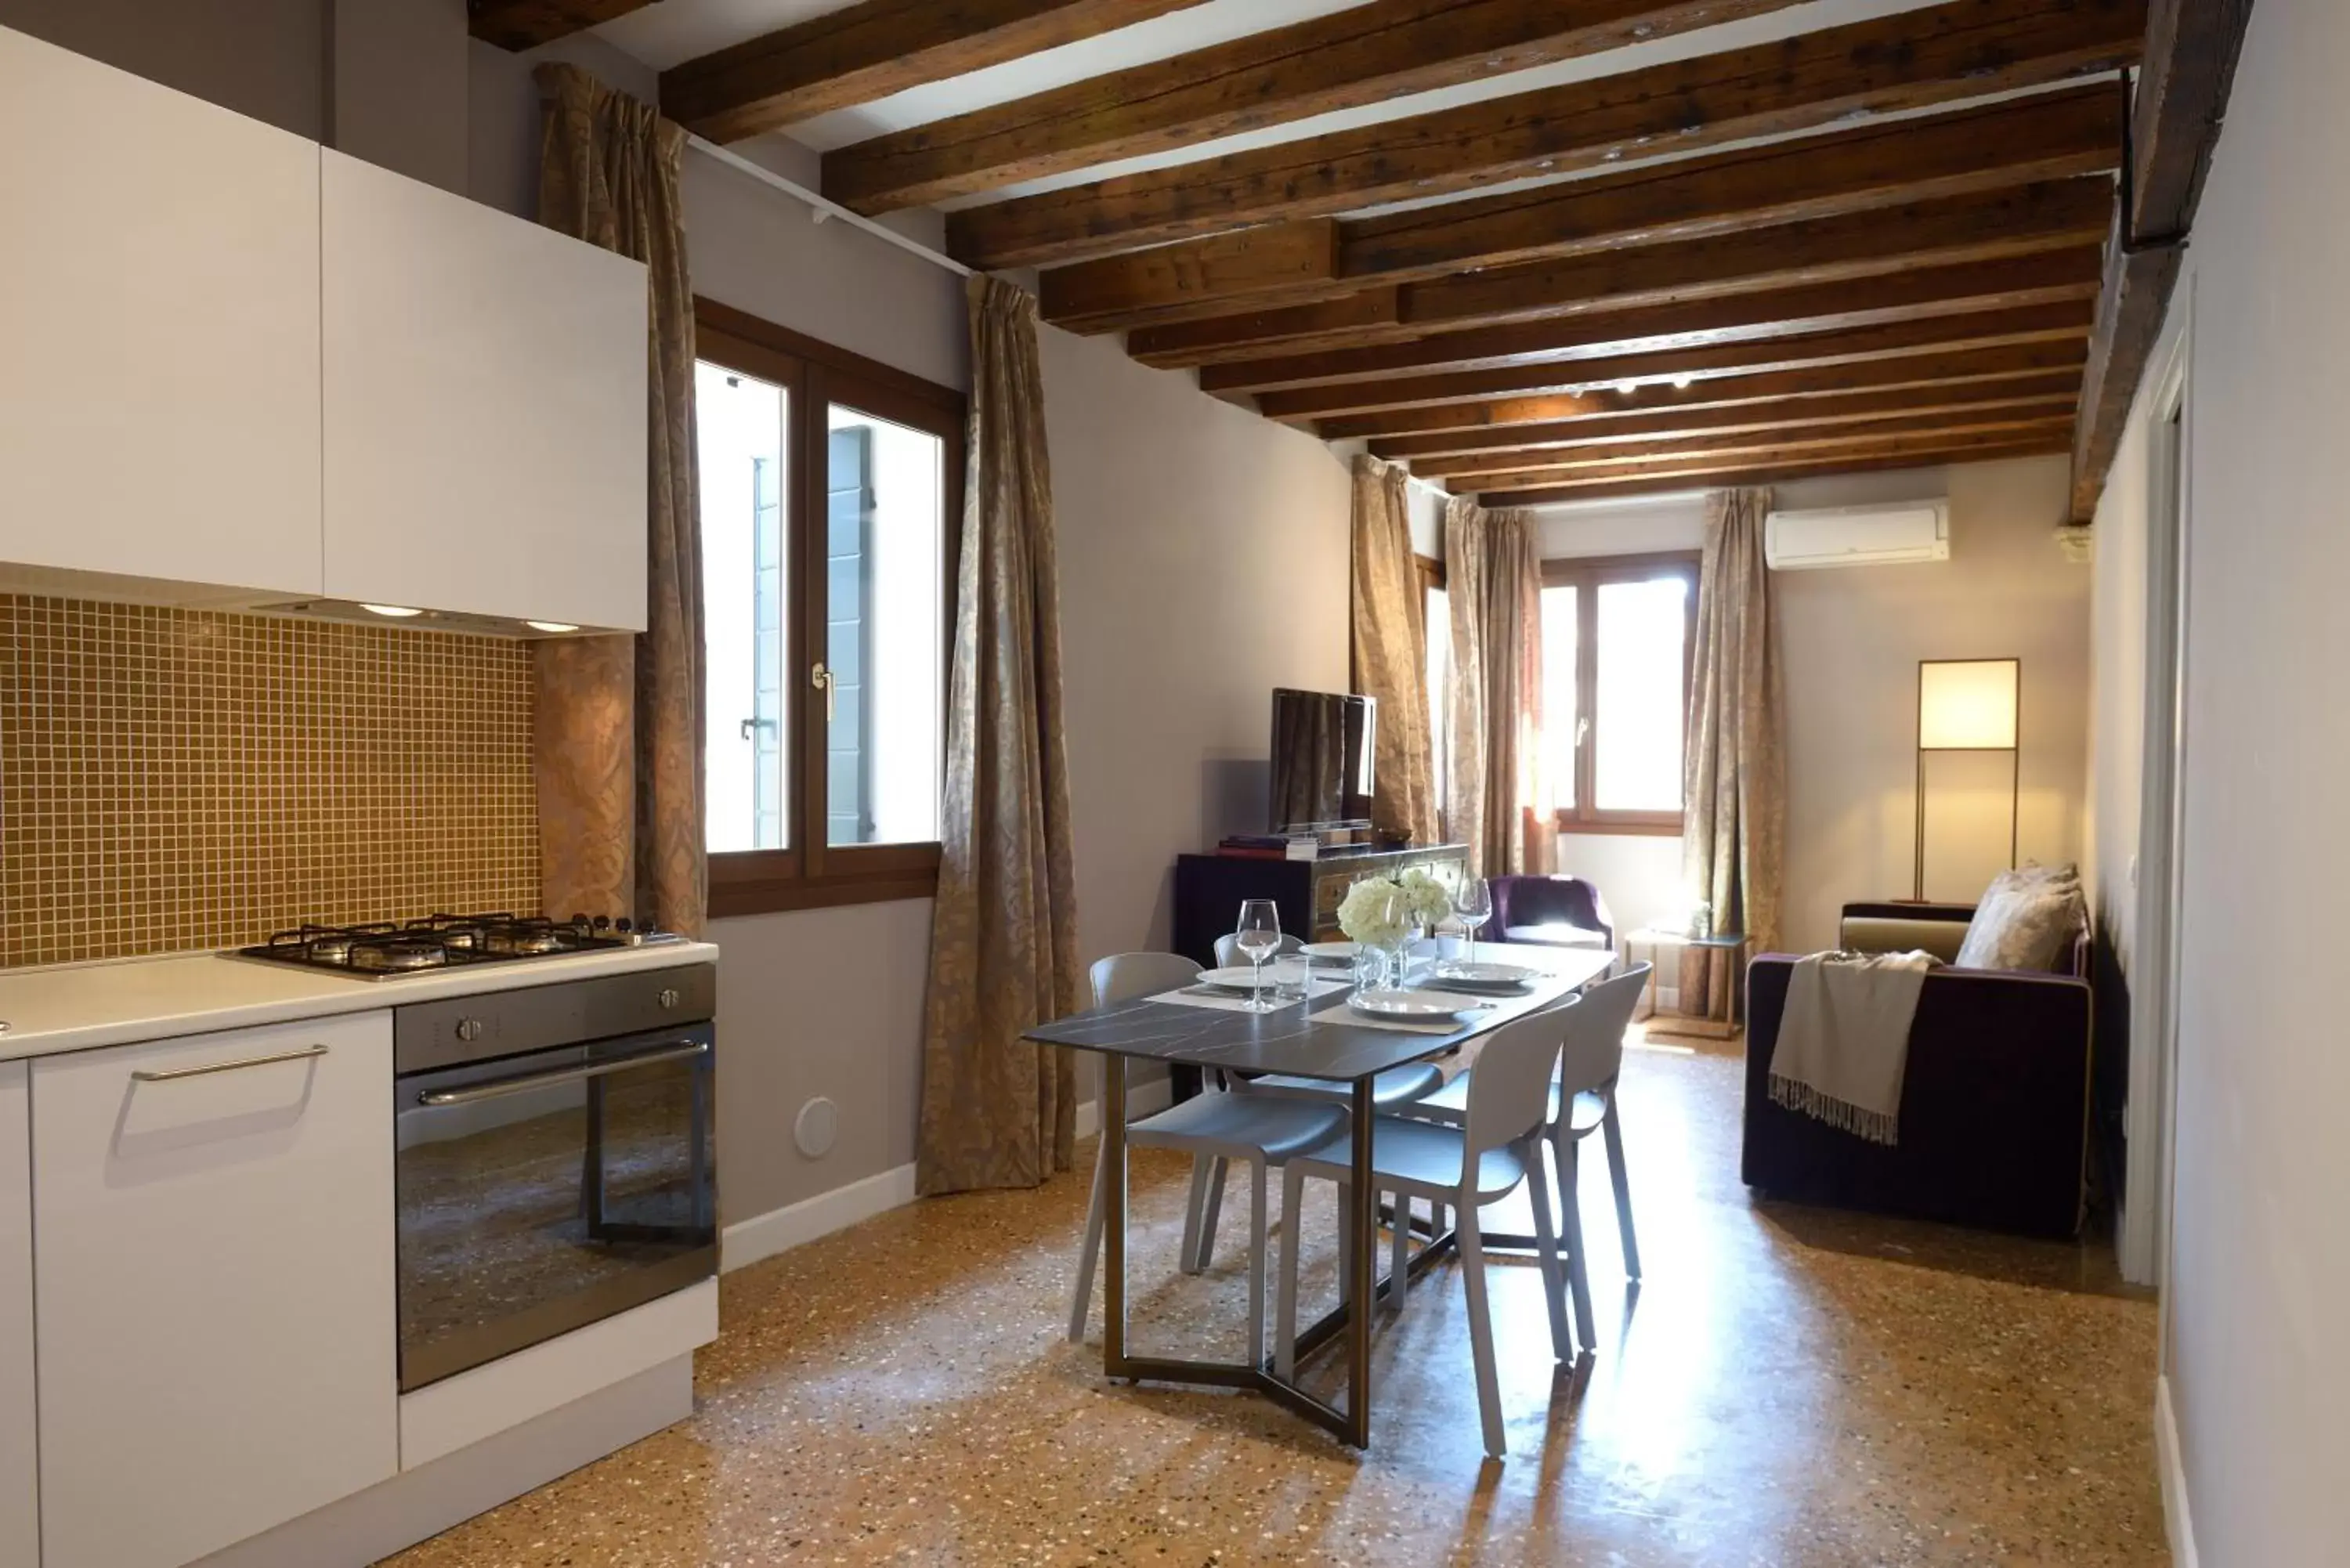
(1858,535)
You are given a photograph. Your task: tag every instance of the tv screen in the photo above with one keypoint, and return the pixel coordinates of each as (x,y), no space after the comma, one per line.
(1321,759)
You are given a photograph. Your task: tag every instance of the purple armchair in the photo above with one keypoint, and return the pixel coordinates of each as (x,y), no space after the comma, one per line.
(1549,911)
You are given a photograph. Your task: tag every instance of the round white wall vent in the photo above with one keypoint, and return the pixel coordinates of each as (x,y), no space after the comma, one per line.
(819,1124)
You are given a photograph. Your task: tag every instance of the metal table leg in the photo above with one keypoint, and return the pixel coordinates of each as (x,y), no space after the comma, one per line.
(1362,1297)
(1113,1136)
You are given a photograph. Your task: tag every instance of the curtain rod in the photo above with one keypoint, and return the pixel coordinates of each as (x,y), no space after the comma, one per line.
(820,208)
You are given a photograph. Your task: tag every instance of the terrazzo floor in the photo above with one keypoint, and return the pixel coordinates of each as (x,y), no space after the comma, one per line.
(1786,1387)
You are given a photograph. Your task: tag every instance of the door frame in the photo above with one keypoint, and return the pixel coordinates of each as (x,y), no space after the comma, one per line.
(2150,1113)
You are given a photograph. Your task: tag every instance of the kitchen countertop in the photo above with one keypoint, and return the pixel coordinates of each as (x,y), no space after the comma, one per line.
(120,1002)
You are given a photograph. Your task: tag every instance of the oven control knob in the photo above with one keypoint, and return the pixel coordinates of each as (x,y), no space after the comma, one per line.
(669,997)
(469,1028)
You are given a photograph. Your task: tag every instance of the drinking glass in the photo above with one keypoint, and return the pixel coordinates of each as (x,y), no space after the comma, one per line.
(1259,936)
(1473,906)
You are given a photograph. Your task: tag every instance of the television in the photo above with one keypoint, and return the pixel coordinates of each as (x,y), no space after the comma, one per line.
(1321,760)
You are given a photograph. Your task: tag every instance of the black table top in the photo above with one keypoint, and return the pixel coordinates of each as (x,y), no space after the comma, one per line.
(1292,1041)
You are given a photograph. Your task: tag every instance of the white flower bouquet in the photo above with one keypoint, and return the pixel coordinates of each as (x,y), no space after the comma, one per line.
(1375,913)
(1380,911)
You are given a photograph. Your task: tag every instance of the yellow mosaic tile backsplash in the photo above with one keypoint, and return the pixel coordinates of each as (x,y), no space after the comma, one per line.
(174,779)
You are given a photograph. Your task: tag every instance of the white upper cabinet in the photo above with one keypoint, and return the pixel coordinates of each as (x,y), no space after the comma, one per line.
(158,331)
(215,1287)
(20,1518)
(484,407)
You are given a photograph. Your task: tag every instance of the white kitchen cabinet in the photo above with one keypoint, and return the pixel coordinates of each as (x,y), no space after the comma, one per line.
(20,1518)
(215,1286)
(158,331)
(484,392)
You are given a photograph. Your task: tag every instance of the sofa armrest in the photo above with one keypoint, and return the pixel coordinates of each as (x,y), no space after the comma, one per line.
(1936,928)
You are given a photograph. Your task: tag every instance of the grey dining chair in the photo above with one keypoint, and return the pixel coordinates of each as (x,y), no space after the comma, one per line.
(1583,1100)
(1218,1125)
(1228,954)
(1466,1167)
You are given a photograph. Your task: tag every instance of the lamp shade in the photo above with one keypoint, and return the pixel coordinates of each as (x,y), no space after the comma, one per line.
(1968,705)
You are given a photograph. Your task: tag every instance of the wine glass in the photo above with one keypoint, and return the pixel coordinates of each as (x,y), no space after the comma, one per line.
(1473,906)
(1259,936)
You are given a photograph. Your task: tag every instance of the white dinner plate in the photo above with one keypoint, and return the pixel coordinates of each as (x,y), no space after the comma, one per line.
(1486,979)
(1240,979)
(1416,1005)
(1330,953)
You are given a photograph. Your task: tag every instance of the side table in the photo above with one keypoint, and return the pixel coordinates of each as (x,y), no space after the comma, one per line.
(1732,944)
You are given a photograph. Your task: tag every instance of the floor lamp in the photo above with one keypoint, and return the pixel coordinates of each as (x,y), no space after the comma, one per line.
(1968,705)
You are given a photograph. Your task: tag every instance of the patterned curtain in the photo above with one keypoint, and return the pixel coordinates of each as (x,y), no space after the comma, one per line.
(1390,652)
(1495,801)
(998,1111)
(1734,776)
(620,720)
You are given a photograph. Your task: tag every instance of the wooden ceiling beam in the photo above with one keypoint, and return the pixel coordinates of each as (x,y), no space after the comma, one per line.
(1444,451)
(873,49)
(1762,445)
(2048,278)
(1983,226)
(1962,368)
(517,24)
(2036,415)
(1901,339)
(1965,49)
(2191,48)
(1708,477)
(2048,136)
(1363,55)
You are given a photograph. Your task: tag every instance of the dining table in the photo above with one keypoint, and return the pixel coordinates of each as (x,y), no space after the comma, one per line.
(1322,1037)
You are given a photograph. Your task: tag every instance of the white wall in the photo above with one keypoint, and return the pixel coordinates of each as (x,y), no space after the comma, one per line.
(2258,1370)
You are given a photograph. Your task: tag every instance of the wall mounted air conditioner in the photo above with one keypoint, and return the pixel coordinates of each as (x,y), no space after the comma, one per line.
(1858,535)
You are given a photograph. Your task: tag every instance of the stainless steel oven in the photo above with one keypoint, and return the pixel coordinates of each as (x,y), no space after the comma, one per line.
(555,1160)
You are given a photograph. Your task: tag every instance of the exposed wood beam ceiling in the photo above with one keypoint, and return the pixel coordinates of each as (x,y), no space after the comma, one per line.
(2049,136)
(1963,368)
(1710,475)
(2190,65)
(1905,62)
(870,51)
(1984,226)
(1541,249)
(1388,48)
(526,23)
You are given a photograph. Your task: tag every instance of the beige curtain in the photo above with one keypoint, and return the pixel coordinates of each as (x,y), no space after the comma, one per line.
(620,720)
(1495,801)
(1390,652)
(998,1111)
(1734,775)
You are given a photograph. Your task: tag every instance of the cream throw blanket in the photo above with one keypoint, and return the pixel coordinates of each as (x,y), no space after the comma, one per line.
(1844,1040)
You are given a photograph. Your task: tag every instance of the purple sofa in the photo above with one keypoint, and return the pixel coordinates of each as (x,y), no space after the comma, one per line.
(1995,1103)
(1550,911)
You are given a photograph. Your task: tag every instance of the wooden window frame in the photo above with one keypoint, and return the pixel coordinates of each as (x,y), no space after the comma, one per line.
(1588,574)
(812,873)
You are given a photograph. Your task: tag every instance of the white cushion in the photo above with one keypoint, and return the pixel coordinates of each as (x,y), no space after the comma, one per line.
(2025,920)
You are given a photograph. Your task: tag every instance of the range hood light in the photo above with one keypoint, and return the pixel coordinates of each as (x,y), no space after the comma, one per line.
(397,612)
(550,626)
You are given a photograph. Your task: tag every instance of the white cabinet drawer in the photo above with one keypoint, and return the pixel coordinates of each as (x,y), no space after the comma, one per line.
(20,1518)
(158,331)
(484,393)
(214,1281)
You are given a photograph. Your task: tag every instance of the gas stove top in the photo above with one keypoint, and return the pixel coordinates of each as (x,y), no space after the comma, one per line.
(389,951)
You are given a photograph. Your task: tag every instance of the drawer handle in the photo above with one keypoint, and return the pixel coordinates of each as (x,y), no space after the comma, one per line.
(173,1074)
(496,1087)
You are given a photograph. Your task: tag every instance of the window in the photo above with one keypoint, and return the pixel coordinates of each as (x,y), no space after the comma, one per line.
(828,483)
(1616,644)
(1436,611)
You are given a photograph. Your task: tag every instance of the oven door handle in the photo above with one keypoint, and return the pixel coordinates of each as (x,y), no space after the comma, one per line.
(498,1086)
